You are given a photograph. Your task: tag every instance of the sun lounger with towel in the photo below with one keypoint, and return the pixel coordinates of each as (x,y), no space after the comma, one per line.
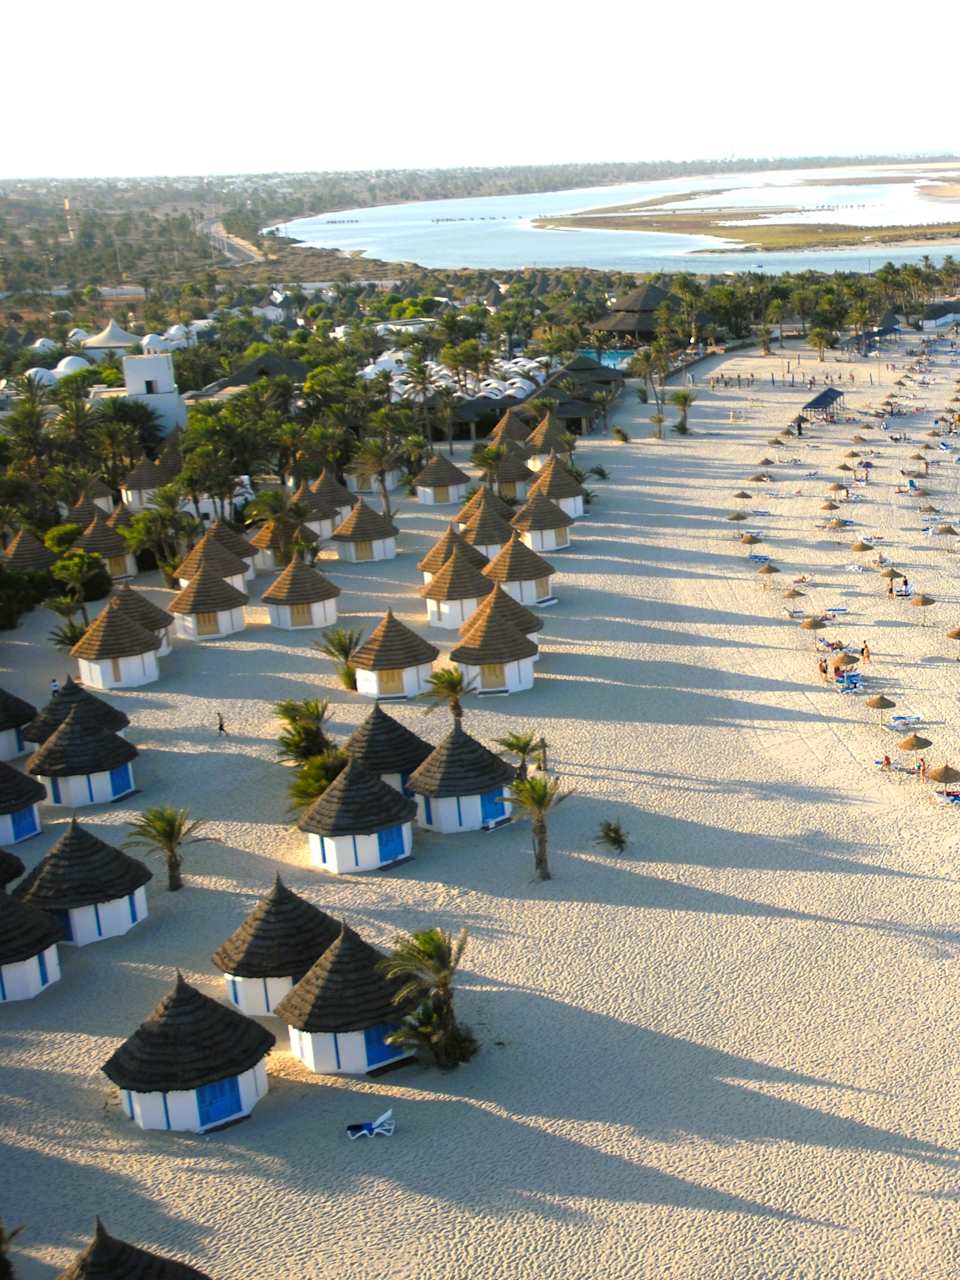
(383,1125)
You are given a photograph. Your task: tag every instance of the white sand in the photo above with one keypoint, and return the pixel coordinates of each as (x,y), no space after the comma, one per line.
(729,1054)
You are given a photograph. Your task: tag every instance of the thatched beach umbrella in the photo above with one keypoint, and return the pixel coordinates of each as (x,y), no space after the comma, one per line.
(829,505)
(836,487)
(944,773)
(757,478)
(851,453)
(858,440)
(881,704)
(749,539)
(845,660)
(741,495)
(793,594)
(955,635)
(767,570)
(922,602)
(766,462)
(925,447)
(914,743)
(890,572)
(935,433)
(928,509)
(860,546)
(836,523)
(844,466)
(736,515)
(813,624)
(947,531)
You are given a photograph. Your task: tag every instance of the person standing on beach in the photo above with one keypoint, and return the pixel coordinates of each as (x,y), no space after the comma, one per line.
(221,727)
(865,652)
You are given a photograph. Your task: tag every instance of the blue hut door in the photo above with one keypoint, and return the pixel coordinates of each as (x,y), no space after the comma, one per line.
(491,806)
(66,924)
(376,1046)
(24,823)
(120,781)
(390,843)
(218,1101)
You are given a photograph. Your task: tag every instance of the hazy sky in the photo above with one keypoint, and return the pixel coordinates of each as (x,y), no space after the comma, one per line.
(207,87)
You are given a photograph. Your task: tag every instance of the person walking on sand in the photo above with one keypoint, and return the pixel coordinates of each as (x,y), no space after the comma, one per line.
(54,685)
(822,665)
(221,727)
(864,652)
(922,769)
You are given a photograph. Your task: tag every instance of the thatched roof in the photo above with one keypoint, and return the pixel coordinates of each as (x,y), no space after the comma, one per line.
(78,748)
(81,870)
(299,584)
(548,435)
(501,605)
(106,1258)
(516,562)
(212,554)
(330,491)
(510,427)
(10,866)
(83,512)
(315,506)
(281,937)
(487,528)
(441,550)
(145,475)
(187,1041)
(384,745)
(392,645)
(233,541)
(356,803)
(483,500)
(143,610)
(120,517)
(207,593)
(460,766)
(554,481)
(457,579)
(344,991)
(363,524)
(98,538)
(512,469)
(73,696)
(493,640)
(114,633)
(25,931)
(97,488)
(14,712)
(17,790)
(539,513)
(27,554)
(646,298)
(273,535)
(170,462)
(440,471)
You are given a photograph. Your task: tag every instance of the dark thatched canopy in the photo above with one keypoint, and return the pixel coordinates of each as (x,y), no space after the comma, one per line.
(81,870)
(299,584)
(442,549)
(392,645)
(79,748)
(457,579)
(115,633)
(440,471)
(73,697)
(501,605)
(143,610)
(281,937)
(363,524)
(357,803)
(207,593)
(106,1258)
(25,930)
(384,745)
(10,866)
(517,563)
(28,554)
(344,991)
(17,791)
(460,766)
(14,712)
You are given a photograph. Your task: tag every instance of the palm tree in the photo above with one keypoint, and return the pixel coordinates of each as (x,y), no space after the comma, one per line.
(165,830)
(536,796)
(521,745)
(763,333)
(447,688)
(78,571)
(315,775)
(820,339)
(341,644)
(612,836)
(427,962)
(67,634)
(486,458)
(682,400)
(303,736)
(658,420)
(6,1240)
(376,456)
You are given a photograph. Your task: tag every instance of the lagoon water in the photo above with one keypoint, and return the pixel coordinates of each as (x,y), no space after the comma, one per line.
(497,232)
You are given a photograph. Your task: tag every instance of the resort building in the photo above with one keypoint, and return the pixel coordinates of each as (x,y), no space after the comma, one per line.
(495,657)
(522,573)
(139,486)
(503,608)
(454,591)
(548,437)
(274,541)
(14,715)
(460,786)
(359,823)
(83,512)
(116,651)
(366,535)
(81,764)
(511,428)
(111,339)
(393,662)
(442,549)
(633,318)
(27,554)
(29,961)
(341,1012)
(193,1065)
(322,517)
(542,525)
(150,380)
(120,517)
(19,797)
(359,481)
(513,476)
(560,486)
(440,482)
(106,1258)
(101,495)
(98,538)
(333,495)
(147,614)
(237,544)
(301,597)
(211,554)
(484,499)
(208,608)
(91,889)
(387,748)
(73,697)
(281,938)
(487,532)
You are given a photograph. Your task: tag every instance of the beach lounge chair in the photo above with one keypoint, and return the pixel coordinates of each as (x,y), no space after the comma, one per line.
(912,484)
(905,721)
(760,559)
(835,609)
(854,568)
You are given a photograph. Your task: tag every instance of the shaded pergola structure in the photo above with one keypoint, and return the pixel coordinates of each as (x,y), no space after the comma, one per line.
(826,404)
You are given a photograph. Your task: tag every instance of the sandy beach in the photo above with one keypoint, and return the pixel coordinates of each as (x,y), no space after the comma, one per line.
(728,1054)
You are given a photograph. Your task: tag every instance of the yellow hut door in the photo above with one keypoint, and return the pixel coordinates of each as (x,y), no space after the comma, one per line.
(117,566)
(364,550)
(492,676)
(542,588)
(508,489)
(391,682)
(207,624)
(441,493)
(300,615)
(115,668)
(561,537)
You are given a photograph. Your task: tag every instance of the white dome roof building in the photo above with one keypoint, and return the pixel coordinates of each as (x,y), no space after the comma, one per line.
(77,335)
(44,344)
(71,364)
(42,377)
(152,344)
(111,338)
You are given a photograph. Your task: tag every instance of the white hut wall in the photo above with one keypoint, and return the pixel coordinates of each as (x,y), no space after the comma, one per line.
(89,788)
(336,1053)
(323,613)
(450,614)
(440,495)
(346,855)
(120,673)
(12,744)
(256,996)
(20,825)
(366,552)
(27,978)
(106,919)
(179,1109)
(517,676)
